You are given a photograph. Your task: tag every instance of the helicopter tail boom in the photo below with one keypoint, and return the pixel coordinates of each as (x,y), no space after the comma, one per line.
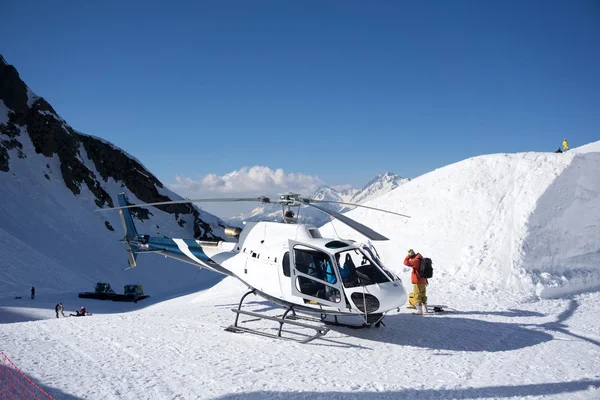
(188,250)
(126,219)
(130,231)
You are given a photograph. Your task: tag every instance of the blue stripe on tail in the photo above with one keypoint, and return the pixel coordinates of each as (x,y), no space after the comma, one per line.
(130,231)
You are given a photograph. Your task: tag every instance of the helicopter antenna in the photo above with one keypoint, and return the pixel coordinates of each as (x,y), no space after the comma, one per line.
(333,226)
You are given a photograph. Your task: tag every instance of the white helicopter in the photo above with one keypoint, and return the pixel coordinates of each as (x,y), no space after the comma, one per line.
(289,264)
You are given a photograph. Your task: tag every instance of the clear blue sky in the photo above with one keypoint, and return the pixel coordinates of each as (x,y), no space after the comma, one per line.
(343,90)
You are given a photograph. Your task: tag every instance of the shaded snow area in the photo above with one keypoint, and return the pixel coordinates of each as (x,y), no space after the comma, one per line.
(516,252)
(52,239)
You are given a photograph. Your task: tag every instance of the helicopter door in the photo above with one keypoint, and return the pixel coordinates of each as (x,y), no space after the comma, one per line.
(315,277)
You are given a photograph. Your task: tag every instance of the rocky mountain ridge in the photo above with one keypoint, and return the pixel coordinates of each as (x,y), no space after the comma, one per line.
(29,115)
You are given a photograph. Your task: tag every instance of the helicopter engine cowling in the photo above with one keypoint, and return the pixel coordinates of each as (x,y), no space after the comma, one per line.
(233,232)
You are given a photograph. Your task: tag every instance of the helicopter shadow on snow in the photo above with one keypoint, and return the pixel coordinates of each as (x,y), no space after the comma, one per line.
(512,312)
(453,334)
(268,306)
(465,334)
(436,331)
(560,325)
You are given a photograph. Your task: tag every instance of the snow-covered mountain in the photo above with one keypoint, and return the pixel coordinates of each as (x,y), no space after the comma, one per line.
(378,186)
(52,178)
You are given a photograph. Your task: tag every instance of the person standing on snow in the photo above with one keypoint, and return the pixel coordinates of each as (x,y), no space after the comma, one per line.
(59,308)
(565,145)
(32,292)
(413,260)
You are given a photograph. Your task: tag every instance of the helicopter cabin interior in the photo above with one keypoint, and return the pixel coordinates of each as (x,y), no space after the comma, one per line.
(319,272)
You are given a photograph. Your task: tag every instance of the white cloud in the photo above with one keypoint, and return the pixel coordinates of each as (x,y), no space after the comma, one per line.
(247,181)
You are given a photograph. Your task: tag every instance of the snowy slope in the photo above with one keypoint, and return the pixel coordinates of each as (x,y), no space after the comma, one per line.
(588,148)
(54,241)
(524,223)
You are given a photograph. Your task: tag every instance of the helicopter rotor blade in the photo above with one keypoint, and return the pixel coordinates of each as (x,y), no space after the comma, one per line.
(357,205)
(365,230)
(160,203)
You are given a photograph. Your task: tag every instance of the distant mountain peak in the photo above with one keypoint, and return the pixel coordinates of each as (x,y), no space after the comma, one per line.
(385,177)
(376,187)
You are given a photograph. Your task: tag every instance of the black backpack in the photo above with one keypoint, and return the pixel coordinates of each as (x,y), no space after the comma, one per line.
(426,269)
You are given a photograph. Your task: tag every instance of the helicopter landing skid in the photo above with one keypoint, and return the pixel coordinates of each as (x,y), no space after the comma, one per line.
(373,319)
(320,330)
(377,320)
(284,319)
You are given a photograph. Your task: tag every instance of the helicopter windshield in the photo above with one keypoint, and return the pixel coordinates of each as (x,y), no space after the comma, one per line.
(373,254)
(360,267)
(375,257)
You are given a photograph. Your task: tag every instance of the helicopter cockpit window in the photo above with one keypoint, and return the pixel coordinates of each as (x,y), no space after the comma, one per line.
(286,264)
(357,268)
(336,244)
(321,270)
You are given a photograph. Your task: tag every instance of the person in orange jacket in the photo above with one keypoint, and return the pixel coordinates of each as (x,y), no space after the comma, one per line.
(413,260)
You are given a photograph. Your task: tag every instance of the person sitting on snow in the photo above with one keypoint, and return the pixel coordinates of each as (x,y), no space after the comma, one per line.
(80,313)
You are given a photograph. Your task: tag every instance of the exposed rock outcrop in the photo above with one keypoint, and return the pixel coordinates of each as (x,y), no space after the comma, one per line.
(51,135)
